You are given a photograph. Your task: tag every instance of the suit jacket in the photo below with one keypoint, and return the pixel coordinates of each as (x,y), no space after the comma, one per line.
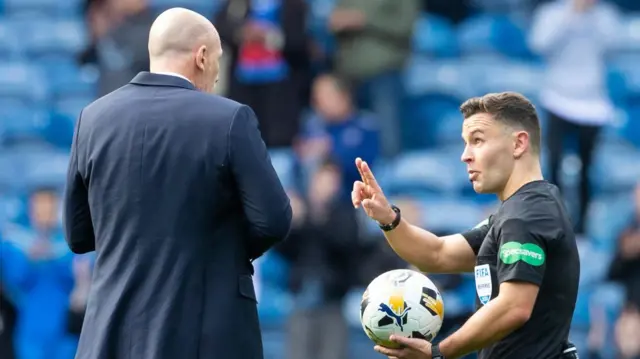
(174,190)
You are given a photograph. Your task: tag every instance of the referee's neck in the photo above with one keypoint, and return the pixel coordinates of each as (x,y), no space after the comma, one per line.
(521,175)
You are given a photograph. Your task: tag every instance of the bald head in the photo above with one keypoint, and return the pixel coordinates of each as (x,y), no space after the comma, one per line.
(186,43)
(180,31)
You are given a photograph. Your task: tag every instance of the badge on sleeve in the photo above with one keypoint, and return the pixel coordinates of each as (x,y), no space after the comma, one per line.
(530,253)
(483,283)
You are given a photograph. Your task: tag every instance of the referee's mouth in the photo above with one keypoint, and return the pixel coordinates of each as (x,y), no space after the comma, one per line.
(473,175)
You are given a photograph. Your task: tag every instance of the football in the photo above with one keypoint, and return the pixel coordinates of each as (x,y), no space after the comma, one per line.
(401,302)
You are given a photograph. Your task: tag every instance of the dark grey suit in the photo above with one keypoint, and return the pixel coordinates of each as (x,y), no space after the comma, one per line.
(175,191)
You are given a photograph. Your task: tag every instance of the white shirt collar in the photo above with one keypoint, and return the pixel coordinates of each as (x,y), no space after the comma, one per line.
(173,74)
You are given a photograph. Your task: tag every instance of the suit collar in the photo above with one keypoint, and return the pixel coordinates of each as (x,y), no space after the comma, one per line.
(150,79)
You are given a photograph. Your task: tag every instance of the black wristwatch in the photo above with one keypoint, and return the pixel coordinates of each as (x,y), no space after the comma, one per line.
(435,352)
(395,223)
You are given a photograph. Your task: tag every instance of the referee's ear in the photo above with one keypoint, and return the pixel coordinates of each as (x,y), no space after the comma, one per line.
(521,143)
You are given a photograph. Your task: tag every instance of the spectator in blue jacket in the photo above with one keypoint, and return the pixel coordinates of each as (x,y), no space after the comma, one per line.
(337,129)
(37,274)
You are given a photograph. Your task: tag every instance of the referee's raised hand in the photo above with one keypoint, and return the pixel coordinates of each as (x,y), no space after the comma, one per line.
(368,194)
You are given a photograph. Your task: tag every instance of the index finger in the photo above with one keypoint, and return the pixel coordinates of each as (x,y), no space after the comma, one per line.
(367,175)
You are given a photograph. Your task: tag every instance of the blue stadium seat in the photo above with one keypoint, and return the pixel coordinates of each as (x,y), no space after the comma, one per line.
(494,34)
(9,44)
(47,169)
(20,123)
(67,80)
(606,218)
(598,259)
(19,81)
(51,7)
(435,36)
(452,215)
(624,78)
(9,173)
(428,172)
(284,163)
(624,128)
(34,165)
(519,76)
(360,346)
(616,168)
(69,109)
(424,76)
(206,8)
(11,206)
(319,12)
(610,298)
(274,342)
(275,305)
(629,37)
(274,270)
(434,120)
(42,36)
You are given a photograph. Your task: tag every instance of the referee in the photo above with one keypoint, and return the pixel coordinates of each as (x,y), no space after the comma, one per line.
(524,256)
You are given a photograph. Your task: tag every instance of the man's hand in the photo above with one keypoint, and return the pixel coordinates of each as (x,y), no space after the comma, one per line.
(368,194)
(412,348)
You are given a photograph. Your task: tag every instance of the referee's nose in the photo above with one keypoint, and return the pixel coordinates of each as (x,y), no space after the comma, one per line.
(466,155)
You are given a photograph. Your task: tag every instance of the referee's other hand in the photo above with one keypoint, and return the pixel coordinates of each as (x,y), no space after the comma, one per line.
(368,195)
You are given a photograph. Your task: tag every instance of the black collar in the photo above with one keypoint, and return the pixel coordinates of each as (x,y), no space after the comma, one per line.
(150,79)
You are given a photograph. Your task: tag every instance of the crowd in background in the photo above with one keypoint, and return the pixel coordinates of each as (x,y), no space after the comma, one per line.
(332,80)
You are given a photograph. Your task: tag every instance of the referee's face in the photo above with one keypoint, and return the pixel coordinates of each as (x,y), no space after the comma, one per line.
(487,153)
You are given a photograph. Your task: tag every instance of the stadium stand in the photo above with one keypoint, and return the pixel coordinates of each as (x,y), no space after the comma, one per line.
(42,91)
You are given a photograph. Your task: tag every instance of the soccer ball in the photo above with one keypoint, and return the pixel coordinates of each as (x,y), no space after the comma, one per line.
(401,302)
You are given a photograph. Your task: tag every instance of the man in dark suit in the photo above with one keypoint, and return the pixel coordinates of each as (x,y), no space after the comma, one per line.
(173,188)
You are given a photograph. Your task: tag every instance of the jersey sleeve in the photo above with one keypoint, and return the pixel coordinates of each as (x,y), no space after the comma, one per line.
(476,235)
(522,252)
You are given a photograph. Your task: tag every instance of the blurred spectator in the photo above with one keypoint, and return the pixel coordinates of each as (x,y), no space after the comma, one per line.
(339,130)
(574,36)
(119,31)
(36,269)
(627,333)
(625,267)
(269,62)
(7,326)
(373,45)
(323,252)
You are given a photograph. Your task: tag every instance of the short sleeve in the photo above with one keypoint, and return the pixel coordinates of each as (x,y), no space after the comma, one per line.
(522,252)
(476,235)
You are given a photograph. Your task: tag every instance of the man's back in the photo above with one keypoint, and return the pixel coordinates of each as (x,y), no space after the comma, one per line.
(170,197)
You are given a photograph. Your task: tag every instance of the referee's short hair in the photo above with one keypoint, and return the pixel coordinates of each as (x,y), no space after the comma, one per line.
(510,108)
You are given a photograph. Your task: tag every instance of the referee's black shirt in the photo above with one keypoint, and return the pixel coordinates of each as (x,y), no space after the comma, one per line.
(529,239)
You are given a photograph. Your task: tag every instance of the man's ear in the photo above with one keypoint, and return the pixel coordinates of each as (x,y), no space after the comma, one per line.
(520,143)
(201,58)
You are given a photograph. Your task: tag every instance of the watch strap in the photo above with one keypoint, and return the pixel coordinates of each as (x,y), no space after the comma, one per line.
(391,226)
(435,352)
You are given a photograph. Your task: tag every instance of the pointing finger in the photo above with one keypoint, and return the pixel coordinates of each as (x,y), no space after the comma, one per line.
(367,174)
